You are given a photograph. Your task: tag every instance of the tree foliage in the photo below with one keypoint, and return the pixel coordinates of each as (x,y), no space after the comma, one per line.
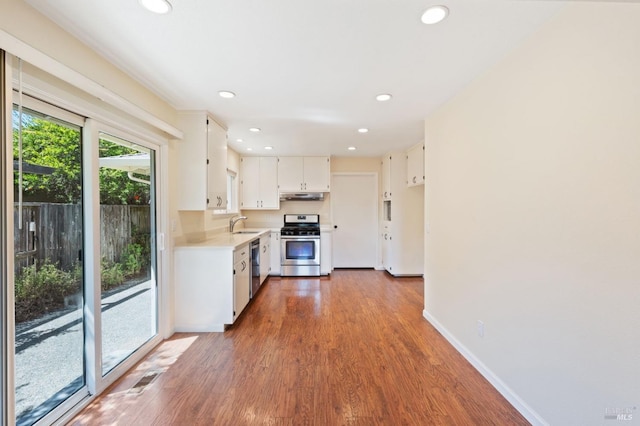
(50,144)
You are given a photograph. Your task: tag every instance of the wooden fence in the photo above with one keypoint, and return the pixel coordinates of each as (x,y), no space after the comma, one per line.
(54,232)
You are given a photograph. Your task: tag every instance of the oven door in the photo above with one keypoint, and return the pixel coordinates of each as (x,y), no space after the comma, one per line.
(300,250)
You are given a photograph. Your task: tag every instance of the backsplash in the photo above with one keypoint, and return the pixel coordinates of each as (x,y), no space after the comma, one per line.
(275,218)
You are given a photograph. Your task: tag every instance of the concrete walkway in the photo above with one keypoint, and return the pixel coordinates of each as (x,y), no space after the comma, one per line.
(50,351)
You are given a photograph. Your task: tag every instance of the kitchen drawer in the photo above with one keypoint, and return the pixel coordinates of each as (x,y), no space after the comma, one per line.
(241,253)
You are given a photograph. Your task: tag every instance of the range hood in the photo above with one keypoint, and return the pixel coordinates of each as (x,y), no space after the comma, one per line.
(301,196)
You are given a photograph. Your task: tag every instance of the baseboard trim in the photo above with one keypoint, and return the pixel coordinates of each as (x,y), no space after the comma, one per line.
(531,415)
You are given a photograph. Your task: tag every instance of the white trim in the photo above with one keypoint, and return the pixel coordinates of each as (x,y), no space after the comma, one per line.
(91,208)
(19,48)
(9,251)
(529,413)
(45,108)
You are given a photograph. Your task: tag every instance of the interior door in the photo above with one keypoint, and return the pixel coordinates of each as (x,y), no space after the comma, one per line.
(354,203)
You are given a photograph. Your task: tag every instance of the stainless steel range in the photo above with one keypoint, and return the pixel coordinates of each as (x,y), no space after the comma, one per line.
(300,245)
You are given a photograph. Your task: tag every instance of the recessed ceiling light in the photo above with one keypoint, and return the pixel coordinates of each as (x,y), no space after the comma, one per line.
(268,148)
(254,129)
(363,130)
(249,149)
(352,148)
(383,97)
(239,140)
(156,6)
(434,14)
(226,94)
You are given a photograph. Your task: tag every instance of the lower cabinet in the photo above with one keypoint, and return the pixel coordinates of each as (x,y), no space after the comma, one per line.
(275,253)
(241,280)
(326,262)
(265,257)
(208,294)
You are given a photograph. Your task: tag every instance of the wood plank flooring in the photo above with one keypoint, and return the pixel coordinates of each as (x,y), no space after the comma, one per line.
(352,349)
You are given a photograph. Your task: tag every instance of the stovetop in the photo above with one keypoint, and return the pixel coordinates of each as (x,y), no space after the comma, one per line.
(301,224)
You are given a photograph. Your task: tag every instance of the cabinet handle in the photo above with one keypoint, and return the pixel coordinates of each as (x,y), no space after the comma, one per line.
(385,236)
(264,249)
(414,179)
(257,203)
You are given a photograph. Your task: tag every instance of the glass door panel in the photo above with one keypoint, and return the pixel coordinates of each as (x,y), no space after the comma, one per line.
(128,264)
(49,271)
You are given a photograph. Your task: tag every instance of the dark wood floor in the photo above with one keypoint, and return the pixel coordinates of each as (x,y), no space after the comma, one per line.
(352,349)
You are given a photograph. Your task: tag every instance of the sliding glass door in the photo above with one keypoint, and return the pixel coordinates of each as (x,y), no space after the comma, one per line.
(81,304)
(48,264)
(128,256)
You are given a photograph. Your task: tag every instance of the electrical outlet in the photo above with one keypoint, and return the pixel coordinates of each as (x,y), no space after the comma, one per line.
(480,328)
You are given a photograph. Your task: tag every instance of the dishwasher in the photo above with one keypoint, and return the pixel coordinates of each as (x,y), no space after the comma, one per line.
(255,267)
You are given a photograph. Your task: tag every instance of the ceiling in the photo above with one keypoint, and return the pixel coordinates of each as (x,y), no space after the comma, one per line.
(306,72)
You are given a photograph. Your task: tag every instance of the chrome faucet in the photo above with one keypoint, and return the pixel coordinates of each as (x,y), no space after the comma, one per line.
(234,220)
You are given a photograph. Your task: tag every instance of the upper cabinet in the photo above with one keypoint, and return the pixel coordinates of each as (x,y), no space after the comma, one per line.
(308,174)
(202,163)
(386,177)
(259,183)
(415,165)
(217,166)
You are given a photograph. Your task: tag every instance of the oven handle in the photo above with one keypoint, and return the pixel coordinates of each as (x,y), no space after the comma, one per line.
(300,237)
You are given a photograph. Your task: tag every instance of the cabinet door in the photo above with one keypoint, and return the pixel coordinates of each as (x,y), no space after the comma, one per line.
(250,182)
(291,174)
(241,286)
(386,177)
(265,257)
(386,248)
(192,161)
(275,253)
(326,239)
(217,166)
(415,165)
(317,174)
(268,183)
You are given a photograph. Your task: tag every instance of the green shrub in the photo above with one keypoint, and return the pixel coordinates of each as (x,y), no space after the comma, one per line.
(42,288)
(134,259)
(111,275)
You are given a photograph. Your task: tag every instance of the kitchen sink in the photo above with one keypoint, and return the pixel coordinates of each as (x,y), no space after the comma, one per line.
(245,232)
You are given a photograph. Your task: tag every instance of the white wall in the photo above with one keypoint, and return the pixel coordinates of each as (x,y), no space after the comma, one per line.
(533,211)
(26,24)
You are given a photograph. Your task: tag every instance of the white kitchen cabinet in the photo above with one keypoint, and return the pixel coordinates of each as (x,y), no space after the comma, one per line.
(265,257)
(259,183)
(208,295)
(415,165)
(217,166)
(202,163)
(275,253)
(326,241)
(385,243)
(241,280)
(386,177)
(308,174)
(402,237)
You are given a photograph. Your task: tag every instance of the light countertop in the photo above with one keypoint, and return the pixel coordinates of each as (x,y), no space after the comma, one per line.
(227,240)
